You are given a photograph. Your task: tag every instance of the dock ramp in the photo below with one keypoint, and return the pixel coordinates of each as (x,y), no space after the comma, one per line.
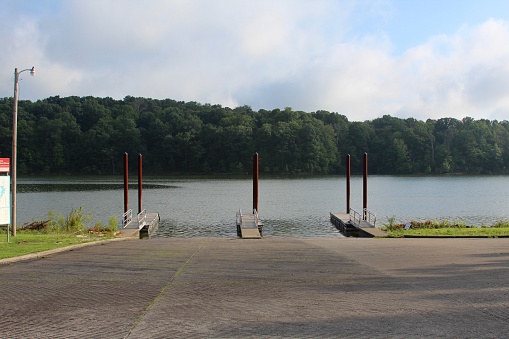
(143,225)
(249,225)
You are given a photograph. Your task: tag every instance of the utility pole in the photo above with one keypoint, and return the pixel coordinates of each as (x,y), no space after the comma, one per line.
(15,145)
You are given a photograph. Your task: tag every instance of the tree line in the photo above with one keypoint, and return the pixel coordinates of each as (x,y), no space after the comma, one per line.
(89,135)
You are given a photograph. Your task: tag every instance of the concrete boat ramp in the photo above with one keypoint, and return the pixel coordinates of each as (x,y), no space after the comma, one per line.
(275,288)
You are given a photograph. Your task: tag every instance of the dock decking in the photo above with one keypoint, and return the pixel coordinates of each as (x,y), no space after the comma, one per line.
(249,225)
(343,224)
(141,226)
(349,226)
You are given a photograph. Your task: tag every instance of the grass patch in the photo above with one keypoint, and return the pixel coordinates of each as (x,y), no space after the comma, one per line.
(56,232)
(457,232)
(27,242)
(445,228)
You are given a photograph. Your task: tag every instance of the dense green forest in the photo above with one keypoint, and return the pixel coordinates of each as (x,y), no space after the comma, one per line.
(89,135)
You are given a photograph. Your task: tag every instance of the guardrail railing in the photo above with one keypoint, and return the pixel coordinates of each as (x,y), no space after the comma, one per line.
(258,223)
(367,215)
(355,216)
(127,218)
(239,217)
(370,217)
(142,218)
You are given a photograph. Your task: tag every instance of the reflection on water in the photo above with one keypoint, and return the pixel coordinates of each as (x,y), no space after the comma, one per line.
(288,207)
(69,187)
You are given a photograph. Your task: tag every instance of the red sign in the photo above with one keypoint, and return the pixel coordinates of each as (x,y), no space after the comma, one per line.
(5,165)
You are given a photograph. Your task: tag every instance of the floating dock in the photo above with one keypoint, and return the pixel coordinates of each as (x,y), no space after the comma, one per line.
(351,224)
(249,225)
(143,225)
(343,224)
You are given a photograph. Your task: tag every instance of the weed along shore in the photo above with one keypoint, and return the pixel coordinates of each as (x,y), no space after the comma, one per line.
(36,238)
(445,228)
(269,288)
(55,233)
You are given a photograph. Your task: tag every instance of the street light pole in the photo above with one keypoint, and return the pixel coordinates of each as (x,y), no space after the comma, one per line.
(14,146)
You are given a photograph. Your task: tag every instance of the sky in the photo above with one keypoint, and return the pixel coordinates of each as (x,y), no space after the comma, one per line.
(424,59)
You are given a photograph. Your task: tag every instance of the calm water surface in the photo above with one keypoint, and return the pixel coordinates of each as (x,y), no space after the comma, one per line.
(288,207)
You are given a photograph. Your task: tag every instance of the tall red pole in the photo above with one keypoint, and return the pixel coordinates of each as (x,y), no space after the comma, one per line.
(140,183)
(365,187)
(255,182)
(348,176)
(126,183)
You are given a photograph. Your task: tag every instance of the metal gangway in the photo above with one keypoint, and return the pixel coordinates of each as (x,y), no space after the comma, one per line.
(366,219)
(143,225)
(249,225)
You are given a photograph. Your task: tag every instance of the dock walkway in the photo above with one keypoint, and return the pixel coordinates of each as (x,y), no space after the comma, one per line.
(143,225)
(249,225)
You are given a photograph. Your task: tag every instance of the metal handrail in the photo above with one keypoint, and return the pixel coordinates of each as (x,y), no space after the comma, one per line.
(370,216)
(355,216)
(255,213)
(127,218)
(367,215)
(142,218)
(239,217)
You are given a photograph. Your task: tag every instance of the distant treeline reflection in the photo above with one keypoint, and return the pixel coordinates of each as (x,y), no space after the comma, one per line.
(72,187)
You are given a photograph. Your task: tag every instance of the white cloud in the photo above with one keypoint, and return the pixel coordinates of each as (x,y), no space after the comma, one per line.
(267,54)
(461,75)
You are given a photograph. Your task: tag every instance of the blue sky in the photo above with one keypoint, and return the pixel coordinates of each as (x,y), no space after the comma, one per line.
(361,58)
(413,22)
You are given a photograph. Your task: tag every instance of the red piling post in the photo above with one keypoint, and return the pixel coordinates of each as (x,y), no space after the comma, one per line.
(348,177)
(365,188)
(126,182)
(140,183)
(255,182)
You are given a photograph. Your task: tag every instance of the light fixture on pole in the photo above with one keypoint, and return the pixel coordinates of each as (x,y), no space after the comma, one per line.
(14,146)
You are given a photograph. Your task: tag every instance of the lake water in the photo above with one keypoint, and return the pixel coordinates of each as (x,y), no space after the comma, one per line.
(288,207)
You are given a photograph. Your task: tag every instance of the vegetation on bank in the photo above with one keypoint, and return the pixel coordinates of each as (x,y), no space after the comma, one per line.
(89,135)
(58,231)
(435,228)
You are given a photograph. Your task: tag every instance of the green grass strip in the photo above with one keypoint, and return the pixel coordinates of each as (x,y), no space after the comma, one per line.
(27,242)
(493,232)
